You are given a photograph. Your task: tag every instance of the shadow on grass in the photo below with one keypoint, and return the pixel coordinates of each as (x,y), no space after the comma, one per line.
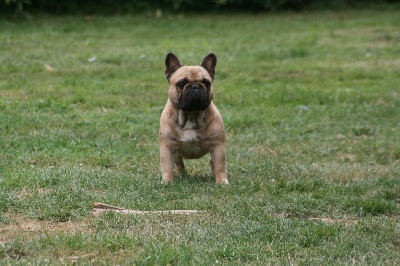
(194,178)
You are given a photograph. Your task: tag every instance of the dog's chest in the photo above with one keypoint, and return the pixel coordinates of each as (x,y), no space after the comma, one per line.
(189,133)
(191,144)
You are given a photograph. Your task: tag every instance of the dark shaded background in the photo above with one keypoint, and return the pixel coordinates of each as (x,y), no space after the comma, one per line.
(140,6)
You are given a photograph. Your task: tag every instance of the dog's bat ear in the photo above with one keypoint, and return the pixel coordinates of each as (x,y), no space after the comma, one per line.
(171,64)
(209,63)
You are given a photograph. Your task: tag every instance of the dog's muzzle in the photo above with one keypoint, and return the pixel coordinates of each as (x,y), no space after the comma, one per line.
(194,98)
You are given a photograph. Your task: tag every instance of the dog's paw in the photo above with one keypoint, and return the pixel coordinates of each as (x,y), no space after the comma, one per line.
(222,181)
(167,181)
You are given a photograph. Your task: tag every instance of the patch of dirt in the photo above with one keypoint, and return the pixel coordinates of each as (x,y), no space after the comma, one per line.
(20,226)
(26,193)
(327,220)
(332,220)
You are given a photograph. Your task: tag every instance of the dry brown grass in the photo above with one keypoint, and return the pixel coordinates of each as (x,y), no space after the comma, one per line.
(20,226)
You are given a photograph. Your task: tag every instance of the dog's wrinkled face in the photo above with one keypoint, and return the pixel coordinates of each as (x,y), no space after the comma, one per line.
(190,87)
(193,93)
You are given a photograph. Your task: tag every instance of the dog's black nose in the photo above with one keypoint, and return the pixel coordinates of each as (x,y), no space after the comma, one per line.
(195,87)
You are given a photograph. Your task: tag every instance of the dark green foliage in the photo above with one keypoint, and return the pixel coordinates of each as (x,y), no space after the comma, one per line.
(135,6)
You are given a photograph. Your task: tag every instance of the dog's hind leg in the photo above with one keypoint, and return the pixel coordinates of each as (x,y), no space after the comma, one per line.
(180,166)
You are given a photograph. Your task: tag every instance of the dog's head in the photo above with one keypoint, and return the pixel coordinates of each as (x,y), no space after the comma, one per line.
(190,87)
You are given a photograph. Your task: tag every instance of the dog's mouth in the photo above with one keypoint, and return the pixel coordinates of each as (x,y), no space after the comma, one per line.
(194,98)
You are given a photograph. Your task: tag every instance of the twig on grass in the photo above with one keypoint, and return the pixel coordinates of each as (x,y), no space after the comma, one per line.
(99,208)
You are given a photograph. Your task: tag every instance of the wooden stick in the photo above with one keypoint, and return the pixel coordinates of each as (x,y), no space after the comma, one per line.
(99,208)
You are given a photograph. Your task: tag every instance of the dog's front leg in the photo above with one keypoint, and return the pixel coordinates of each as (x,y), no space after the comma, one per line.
(218,164)
(167,163)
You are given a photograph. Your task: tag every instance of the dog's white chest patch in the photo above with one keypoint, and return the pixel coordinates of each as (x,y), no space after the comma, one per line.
(188,135)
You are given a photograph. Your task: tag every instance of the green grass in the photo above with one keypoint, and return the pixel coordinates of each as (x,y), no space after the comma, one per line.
(311,104)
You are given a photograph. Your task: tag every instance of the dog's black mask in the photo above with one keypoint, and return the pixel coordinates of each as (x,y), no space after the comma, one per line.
(194,98)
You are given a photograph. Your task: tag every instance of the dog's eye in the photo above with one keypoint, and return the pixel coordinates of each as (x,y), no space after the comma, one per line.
(207,83)
(180,84)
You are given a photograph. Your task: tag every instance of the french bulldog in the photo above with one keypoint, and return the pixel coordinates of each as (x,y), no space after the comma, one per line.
(190,124)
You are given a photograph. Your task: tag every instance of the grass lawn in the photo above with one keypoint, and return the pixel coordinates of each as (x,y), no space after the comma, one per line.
(311,104)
